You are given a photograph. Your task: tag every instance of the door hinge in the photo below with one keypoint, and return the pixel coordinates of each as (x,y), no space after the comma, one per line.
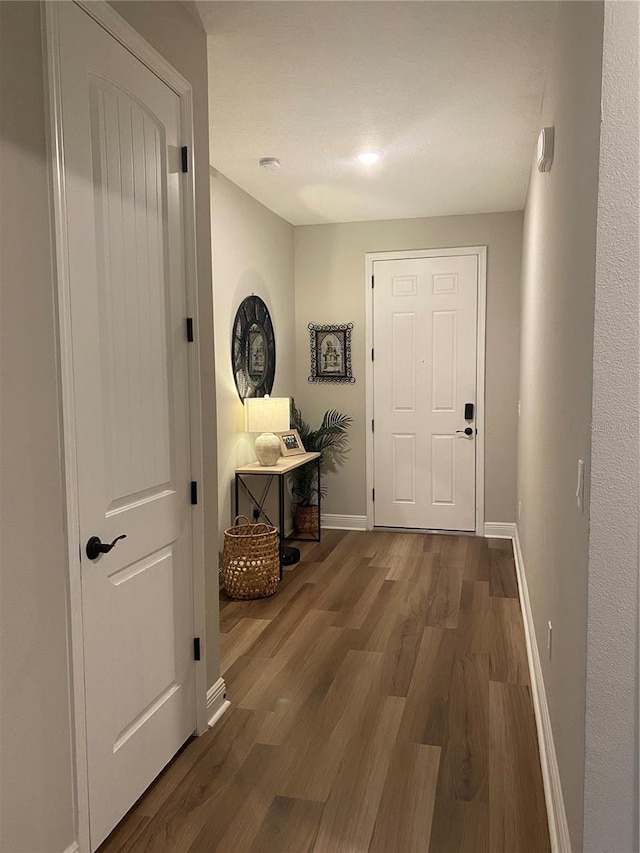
(373,494)
(373,425)
(373,284)
(190,329)
(196,648)
(185,158)
(371,353)
(194,492)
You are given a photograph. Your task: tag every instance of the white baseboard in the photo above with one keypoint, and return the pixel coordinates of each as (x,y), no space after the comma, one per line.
(72,848)
(344,522)
(217,702)
(499,529)
(558,827)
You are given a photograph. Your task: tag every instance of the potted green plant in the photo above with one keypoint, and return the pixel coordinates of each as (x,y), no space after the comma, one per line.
(330,440)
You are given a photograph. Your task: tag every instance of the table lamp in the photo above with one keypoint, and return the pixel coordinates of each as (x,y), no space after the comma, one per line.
(267,415)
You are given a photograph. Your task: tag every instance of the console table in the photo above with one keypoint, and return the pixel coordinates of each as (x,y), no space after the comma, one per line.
(278,471)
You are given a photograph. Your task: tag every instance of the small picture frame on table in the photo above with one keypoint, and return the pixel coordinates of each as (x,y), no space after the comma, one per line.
(290,443)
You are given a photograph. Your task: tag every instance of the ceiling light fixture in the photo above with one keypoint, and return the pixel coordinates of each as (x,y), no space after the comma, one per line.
(369,156)
(269,163)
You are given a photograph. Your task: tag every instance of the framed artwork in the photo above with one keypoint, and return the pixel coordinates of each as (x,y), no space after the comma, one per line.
(290,443)
(330,353)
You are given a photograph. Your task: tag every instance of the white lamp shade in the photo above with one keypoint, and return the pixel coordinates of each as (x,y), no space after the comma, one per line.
(266,414)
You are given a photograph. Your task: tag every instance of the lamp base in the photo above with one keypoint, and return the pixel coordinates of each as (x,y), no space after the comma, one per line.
(267,448)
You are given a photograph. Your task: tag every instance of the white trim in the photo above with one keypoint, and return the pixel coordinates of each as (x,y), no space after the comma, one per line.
(481,253)
(500,529)
(68,430)
(123,32)
(195,404)
(558,827)
(368,390)
(217,702)
(480,385)
(344,522)
(106,17)
(72,848)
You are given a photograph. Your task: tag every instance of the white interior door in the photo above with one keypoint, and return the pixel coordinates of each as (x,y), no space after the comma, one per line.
(122,136)
(424,332)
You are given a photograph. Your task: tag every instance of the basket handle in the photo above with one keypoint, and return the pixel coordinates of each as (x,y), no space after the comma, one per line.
(261,528)
(237,519)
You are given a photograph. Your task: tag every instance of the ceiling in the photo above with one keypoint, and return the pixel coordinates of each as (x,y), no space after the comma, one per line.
(449,91)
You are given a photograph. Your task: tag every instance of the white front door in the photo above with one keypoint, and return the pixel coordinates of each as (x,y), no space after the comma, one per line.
(121,135)
(424,369)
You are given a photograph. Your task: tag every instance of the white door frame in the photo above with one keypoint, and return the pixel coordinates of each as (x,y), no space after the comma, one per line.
(370,257)
(101,12)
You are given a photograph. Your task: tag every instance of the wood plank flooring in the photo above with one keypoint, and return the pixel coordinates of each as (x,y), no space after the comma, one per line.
(380,702)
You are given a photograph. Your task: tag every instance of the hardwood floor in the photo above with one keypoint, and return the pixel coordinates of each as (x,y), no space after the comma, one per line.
(380,702)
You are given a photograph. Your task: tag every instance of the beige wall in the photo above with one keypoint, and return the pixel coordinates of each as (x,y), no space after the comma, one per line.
(37,803)
(37,808)
(556,377)
(253,253)
(330,288)
(611,760)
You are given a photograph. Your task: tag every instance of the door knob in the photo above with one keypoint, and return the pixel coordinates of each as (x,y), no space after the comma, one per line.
(95,547)
(466,430)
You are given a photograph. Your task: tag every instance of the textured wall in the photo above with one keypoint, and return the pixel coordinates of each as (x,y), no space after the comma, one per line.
(252,253)
(175,33)
(611,772)
(556,377)
(37,807)
(330,288)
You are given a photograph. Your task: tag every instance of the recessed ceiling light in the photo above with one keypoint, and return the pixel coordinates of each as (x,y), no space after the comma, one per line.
(269,162)
(369,156)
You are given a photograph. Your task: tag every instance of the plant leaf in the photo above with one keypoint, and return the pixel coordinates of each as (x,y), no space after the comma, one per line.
(331,440)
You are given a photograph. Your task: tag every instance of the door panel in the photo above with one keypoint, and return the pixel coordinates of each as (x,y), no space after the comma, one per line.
(443,360)
(443,470)
(425,319)
(129,163)
(404,468)
(403,356)
(121,131)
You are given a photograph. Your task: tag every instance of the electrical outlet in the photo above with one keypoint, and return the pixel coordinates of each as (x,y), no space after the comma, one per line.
(519,408)
(519,510)
(549,638)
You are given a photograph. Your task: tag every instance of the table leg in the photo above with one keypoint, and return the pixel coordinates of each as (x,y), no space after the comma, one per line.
(281,518)
(319,502)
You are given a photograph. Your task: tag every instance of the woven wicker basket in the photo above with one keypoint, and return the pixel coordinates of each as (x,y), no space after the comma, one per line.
(306,519)
(250,560)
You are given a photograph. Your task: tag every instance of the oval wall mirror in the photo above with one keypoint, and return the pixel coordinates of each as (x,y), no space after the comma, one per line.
(253,349)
